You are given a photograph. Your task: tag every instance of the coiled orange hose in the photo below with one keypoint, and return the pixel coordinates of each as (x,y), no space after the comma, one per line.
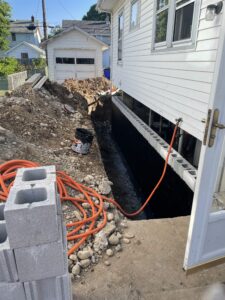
(7,175)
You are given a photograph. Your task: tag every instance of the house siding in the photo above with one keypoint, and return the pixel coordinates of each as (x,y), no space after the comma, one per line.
(173,83)
(74,40)
(25,49)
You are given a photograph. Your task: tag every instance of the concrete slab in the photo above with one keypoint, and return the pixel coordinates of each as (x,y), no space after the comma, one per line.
(58,288)
(149,268)
(31,215)
(12,291)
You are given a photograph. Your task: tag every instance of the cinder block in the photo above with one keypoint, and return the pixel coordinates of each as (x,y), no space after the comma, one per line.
(12,291)
(42,261)
(40,175)
(31,215)
(58,288)
(8,271)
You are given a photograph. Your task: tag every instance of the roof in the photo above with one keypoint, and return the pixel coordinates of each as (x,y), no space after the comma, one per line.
(94,28)
(20,26)
(34,47)
(74,27)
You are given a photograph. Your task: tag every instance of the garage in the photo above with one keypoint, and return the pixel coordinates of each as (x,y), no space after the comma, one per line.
(74,54)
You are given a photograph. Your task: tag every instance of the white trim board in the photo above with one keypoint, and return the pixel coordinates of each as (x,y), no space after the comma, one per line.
(180,165)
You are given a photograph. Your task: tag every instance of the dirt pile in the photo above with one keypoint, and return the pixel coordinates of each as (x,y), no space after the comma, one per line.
(89,88)
(34,125)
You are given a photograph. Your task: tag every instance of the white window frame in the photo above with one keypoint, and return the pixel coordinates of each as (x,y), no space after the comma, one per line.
(132,2)
(121,13)
(169,44)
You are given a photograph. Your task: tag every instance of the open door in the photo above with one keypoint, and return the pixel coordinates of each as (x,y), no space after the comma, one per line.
(206,236)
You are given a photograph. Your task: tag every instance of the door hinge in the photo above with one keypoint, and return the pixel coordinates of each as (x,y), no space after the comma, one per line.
(214,126)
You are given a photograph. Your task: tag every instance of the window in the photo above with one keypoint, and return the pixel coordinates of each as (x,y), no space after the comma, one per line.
(24,56)
(174,22)
(85,61)
(183,20)
(120,36)
(135,14)
(161,20)
(13,37)
(65,60)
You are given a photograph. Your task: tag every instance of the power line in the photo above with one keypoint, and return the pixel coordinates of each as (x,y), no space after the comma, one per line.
(66,10)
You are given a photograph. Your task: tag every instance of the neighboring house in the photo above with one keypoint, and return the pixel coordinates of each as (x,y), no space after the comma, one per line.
(168,57)
(73,53)
(101,30)
(24,42)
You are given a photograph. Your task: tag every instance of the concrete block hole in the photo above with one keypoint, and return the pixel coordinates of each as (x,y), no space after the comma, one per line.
(31,175)
(3,233)
(31,196)
(2,217)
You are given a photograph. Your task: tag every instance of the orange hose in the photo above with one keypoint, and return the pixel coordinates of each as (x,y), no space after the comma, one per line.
(64,181)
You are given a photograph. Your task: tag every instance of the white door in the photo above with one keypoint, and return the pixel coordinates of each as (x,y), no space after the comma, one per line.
(74,64)
(206,237)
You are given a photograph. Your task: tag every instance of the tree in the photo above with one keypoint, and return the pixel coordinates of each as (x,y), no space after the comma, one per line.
(55,30)
(9,65)
(5,14)
(94,15)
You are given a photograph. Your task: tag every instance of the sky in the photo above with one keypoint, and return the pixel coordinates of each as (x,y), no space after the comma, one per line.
(57,10)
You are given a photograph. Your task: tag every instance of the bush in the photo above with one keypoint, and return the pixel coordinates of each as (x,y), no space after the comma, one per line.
(9,65)
(39,63)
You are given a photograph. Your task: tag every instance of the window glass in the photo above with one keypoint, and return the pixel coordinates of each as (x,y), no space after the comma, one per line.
(161,4)
(13,37)
(161,20)
(161,26)
(183,20)
(120,36)
(24,55)
(134,21)
(85,61)
(65,60)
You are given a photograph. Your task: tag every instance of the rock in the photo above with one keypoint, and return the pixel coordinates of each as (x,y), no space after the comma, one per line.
(73,257)
(109,229)
(84,254)
(89,179)
(105,188)
(123,224)
(118,248)
(76,270)
(109,252)
(85,263)
(86,205)
(119,235)
(129,235)
(106,205)
(2,139)
(126,241)
(110,216)
(100,241)
(107,263)
(77,215)
(114,240)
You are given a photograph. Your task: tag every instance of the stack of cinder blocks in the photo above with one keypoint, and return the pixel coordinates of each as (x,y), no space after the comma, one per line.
(33,247)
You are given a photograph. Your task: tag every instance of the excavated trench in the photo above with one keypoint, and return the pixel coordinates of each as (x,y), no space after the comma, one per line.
(134,167)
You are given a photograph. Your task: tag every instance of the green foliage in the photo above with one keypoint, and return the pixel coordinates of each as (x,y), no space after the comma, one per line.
(38,63)
(9,65)
(57,29)
(5,14)
(94,15)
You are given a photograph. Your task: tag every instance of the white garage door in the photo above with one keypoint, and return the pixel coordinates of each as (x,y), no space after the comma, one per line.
(74,64)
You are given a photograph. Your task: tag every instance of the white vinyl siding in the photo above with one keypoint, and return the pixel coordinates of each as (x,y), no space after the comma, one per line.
(79,46)
(172,83)
(25,49)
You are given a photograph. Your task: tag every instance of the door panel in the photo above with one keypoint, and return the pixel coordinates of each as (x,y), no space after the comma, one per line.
(206,236)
